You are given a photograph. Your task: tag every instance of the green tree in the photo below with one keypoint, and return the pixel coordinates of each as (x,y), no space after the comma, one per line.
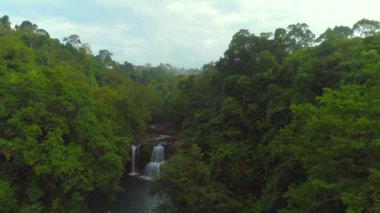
(27,32)
(105,56)
(366,27)
(8,201)
(5,26)
(57,137)
(299,37)
(188,184)
(337,146)
(14,56)
(73,40)
(338,31)
(269,159)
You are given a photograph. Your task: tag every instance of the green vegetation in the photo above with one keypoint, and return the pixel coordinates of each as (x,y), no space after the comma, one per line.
(67,118)
(283,122)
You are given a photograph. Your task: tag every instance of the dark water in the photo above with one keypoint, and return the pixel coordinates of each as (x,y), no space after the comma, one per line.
(136,197)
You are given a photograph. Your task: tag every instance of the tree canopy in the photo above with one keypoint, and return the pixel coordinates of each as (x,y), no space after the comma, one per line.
(67,119)
(283,123)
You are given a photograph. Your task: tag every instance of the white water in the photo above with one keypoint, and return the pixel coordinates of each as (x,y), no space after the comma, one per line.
(152,170)
(134,153)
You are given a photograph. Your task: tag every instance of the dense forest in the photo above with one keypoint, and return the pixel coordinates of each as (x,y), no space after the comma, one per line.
(67,118)
(282,122)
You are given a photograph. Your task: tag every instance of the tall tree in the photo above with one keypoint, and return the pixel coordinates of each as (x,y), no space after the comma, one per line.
(338,31)
(27,30)
(73,40)
(106,57)
(366,27)
(299,37)
(5,25)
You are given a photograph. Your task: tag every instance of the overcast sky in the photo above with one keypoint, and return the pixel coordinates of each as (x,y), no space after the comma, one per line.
(184,33)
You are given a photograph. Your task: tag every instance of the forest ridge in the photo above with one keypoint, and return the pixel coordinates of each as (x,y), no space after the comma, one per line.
(282,122)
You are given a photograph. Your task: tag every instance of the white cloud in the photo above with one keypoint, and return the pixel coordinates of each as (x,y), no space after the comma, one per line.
(197,31)
(192,32)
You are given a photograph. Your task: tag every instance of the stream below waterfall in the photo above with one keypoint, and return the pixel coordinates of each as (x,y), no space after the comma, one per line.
(136,197)
(137,186)
(147,153)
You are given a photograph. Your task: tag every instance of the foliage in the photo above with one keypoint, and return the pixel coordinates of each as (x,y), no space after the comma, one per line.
(366,27)
(343,131)
(66,120)
(191,185)
(283,123)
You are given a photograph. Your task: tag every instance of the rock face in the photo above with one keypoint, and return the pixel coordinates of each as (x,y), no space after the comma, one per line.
(157,133)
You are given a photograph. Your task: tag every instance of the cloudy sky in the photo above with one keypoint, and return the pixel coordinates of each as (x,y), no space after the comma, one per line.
(184,33)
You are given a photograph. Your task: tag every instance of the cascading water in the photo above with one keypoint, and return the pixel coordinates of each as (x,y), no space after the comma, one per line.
(135,156)
(158,156)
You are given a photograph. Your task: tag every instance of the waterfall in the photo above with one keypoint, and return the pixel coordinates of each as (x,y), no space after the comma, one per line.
(134,161)
(153,168)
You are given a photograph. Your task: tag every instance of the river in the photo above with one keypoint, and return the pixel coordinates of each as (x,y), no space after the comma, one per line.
(136,197)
